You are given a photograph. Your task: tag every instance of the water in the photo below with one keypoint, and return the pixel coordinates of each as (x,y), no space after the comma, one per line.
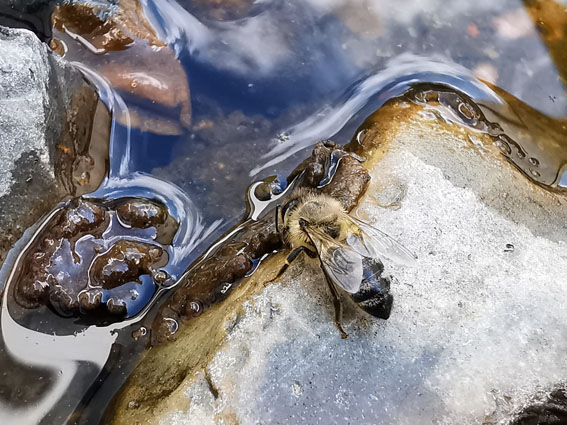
(210,98)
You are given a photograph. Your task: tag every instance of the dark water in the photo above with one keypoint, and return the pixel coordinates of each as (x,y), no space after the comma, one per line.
(242,91)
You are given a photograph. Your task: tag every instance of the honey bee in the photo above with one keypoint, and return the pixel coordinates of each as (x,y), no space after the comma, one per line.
(349,250)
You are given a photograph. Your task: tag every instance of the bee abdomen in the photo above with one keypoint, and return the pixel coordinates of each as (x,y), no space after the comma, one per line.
(380,305)
(374,294)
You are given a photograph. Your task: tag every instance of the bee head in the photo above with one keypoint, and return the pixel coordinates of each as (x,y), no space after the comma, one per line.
(310,210)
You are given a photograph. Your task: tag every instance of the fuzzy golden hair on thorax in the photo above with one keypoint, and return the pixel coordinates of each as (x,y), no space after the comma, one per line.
(321,212)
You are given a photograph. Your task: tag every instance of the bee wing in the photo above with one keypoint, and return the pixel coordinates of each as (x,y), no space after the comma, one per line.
(371,242)
(341,263)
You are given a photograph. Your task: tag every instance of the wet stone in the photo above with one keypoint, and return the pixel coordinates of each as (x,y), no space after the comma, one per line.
(550,410)
(316,167)
(85,217)
(212,279)
(160,276)
(130,55)
(84,261)
(82,19)
(330,163)
(269,187)
(352,179)
(439,357)
(141,214)
(123,263)
(193,314)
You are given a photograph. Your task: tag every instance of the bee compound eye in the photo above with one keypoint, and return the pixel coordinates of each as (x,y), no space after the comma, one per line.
(333,231)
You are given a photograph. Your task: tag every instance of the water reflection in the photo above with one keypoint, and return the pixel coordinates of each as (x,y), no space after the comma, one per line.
(399,76)
(66,363)
(193,230)
(209,96)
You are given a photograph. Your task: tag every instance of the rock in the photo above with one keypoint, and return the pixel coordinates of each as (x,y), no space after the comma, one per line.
(476,327)
(94,259)
(53,143)
(550,408)
(210,288)
(211,279)
(49,115)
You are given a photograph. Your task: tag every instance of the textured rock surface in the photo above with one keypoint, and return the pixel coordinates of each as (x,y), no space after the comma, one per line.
(46,119)
(477,327)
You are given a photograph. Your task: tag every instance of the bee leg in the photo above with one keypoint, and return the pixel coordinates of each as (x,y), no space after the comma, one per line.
(292,256)
(338,306)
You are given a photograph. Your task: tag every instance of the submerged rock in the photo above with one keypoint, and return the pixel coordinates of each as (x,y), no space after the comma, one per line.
(476,327)
(131,56)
